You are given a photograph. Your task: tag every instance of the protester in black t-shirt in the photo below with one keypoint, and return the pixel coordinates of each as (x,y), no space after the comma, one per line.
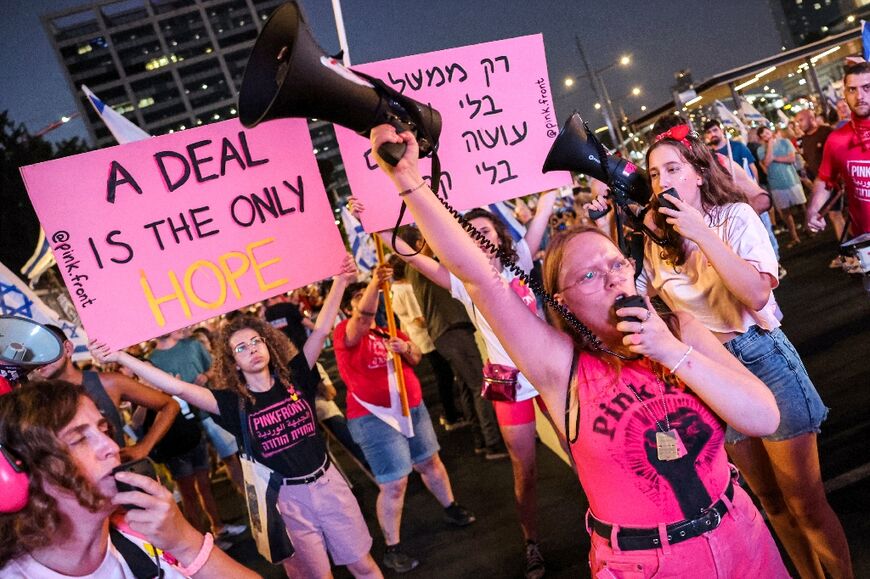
(277,393)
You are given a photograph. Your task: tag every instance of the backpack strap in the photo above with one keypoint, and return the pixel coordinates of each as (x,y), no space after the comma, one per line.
(142,566)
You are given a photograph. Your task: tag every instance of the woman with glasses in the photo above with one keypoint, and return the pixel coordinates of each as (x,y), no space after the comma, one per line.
(646,399)
(719,266)
(256,369)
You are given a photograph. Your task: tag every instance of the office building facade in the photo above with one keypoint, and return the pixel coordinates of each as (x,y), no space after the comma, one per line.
(167,65)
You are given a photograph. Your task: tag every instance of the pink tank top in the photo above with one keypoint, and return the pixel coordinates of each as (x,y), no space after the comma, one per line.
(615,450)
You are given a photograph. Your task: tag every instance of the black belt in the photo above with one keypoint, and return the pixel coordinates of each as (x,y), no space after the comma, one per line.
(634,539)
(309,478)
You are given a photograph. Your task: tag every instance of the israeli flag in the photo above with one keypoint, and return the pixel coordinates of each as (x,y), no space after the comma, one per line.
(750,113)
(865,41)
(362,246)
(729,119)
(40,261)
(506,213)
(121,128)
(392,416)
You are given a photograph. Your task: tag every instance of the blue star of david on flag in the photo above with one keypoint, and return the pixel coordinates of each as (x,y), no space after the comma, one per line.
(13,302)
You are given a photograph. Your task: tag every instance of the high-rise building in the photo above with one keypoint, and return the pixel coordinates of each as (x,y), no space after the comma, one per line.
(167,65)
(804,21)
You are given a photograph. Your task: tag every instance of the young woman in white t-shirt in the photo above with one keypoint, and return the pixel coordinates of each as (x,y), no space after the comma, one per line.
(719,266)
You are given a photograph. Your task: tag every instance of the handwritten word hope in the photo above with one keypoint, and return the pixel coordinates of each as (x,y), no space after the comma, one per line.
(225,274)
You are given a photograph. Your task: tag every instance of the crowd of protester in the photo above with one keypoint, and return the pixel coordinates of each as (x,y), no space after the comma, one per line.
(654,402)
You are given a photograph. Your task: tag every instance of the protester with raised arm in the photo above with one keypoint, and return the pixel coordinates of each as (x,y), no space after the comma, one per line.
(648,404)
(255,370)
(516,418)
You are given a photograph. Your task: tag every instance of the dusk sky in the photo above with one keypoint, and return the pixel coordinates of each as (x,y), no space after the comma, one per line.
(662,36)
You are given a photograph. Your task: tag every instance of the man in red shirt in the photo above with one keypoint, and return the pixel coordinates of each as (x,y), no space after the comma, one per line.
(362,350)
(847,157)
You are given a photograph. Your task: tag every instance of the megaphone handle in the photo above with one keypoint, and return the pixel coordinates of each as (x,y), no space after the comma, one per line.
(597,214)
(392,153)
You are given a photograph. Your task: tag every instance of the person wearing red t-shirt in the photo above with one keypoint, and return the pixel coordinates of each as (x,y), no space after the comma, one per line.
(847,157)
(362,351)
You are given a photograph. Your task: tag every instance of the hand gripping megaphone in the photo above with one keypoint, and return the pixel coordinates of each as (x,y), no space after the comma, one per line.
(289,75)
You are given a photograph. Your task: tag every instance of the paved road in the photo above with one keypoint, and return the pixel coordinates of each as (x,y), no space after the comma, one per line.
(826,317)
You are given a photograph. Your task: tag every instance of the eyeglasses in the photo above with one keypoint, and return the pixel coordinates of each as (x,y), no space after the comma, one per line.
(255,343)
(594,280)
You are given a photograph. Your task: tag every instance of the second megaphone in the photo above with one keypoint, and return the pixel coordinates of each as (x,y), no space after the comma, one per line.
(576,150)
(289,75)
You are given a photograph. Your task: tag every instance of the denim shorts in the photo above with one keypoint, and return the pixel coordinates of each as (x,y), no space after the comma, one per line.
(190,462)
(391,455)
(772,358)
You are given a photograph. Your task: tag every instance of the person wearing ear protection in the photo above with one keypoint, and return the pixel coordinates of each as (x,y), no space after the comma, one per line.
(70,524)
(266,400)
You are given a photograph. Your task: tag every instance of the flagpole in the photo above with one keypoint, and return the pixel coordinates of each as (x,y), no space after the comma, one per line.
(391,328)
(730,158)
(342,36)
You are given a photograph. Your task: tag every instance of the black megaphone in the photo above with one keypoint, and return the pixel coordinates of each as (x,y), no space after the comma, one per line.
(289,75)
(575,149)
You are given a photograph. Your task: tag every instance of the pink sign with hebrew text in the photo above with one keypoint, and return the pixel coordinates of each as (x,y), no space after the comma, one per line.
(498,124)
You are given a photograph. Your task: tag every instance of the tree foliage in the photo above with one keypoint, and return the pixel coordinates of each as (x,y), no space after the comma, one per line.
(19,226)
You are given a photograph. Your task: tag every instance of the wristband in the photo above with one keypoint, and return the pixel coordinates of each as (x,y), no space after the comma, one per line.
(412,189)
(201,557)
(683,359)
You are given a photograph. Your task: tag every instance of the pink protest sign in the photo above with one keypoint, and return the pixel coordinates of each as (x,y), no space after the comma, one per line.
(158,234)
(498,125)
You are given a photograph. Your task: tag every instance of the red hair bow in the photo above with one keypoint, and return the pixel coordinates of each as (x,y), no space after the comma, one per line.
(678,133)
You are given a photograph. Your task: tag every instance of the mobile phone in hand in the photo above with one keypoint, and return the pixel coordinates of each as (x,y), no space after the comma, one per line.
(629,302)
(142,466)
(665,202)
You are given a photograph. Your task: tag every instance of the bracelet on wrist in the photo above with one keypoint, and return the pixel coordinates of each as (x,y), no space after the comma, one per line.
(201,557)
(683,359)
(412,189)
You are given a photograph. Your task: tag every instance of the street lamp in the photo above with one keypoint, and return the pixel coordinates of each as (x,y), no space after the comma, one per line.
(595,79)
(569,82)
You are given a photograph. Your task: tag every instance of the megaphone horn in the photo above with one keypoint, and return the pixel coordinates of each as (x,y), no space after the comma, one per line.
(576,150)
(289,75)
(24,344)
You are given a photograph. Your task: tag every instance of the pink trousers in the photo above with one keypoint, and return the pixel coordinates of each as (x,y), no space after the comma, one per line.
(741,546)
